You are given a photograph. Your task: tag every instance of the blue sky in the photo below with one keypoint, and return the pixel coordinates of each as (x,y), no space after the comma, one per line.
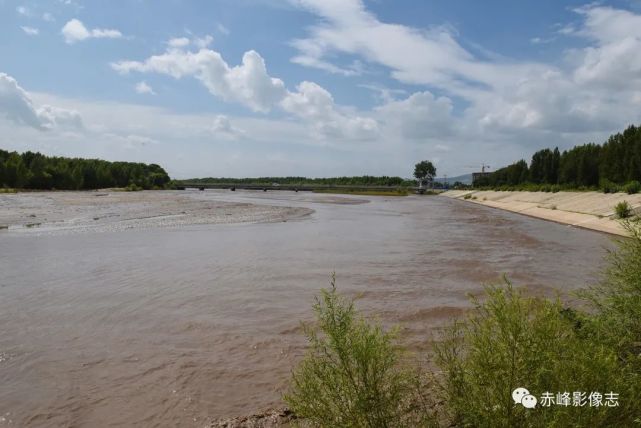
(315,87)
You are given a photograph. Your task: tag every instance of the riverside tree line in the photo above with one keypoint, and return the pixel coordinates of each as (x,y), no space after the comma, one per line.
(612,166)
(31,170)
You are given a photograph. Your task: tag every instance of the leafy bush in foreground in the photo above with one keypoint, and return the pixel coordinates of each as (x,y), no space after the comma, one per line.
(353,375)
(513,341)
(617,301)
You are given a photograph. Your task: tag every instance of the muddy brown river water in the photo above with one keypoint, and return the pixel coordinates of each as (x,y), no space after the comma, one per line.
(177,324)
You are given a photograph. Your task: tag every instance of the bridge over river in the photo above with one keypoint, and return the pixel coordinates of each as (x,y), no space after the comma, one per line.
(295,187)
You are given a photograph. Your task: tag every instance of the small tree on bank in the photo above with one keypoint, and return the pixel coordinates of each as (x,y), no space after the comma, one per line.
(424,171)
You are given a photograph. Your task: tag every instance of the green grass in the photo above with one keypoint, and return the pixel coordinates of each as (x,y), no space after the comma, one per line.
(399,192)
(354,374)
(7,190)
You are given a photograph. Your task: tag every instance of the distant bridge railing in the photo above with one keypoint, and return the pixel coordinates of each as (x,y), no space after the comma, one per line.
(290,187)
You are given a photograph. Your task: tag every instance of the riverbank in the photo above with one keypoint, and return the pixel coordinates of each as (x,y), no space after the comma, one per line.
(589,210)
(280,418)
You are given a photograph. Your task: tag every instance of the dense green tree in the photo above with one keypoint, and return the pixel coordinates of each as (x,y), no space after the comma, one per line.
(616,161)
(424,171)
(16,172)
(544,167)
(40,177)
(37,171)
(3,156)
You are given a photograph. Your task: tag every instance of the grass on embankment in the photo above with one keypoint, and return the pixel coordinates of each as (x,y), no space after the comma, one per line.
(7,190)
(395,192)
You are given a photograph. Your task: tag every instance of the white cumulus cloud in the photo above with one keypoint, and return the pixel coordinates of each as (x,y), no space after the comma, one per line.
(17,106)
(247,83)
(75,31)
(315,104)
(250,84)
(419,116)
(56,117)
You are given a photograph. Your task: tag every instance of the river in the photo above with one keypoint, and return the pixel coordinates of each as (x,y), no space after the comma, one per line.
(176,326)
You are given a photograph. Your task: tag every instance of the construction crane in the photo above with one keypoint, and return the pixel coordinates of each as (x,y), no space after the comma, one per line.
(483,167)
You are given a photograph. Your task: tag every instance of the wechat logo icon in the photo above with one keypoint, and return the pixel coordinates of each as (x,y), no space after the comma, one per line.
(522,396)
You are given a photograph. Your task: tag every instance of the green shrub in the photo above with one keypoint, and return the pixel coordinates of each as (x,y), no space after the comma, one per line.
(609,187)
(133,187)
(623,210)
(352,375)
(468,196)
(616,300)
(632,187)
(513,341)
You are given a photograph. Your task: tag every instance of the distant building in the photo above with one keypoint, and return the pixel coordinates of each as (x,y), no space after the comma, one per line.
(478,175)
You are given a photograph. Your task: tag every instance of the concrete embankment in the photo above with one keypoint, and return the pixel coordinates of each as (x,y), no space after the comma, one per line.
(589,210)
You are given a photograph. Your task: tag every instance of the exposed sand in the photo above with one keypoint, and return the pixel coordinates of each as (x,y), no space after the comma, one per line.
(97,211)
(589,210)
